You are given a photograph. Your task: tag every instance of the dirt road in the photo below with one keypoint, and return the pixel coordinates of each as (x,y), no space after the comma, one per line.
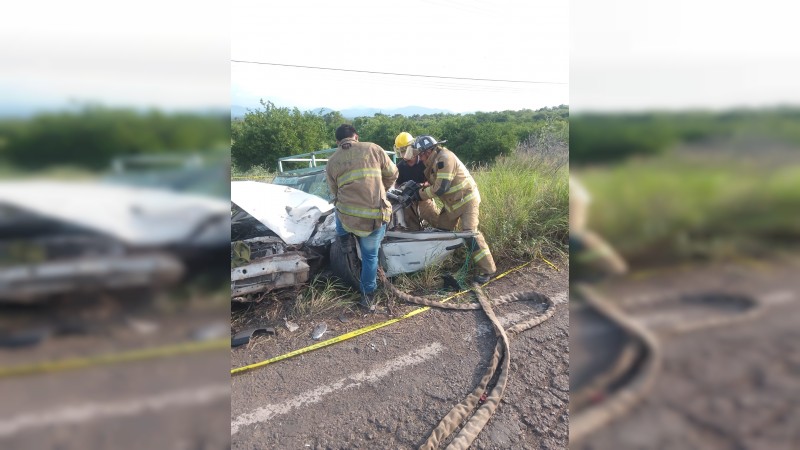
(734,386)
(390,387)
(180,402)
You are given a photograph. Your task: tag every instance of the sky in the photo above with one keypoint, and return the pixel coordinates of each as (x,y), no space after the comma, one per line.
(629,55)
(524,43)
(608,56)
(169,55)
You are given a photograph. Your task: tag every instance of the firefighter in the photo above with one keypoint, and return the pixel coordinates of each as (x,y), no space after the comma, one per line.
(358,175)
(411,168)
(448,179)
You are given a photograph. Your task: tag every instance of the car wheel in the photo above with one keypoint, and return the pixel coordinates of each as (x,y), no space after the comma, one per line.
(345,264)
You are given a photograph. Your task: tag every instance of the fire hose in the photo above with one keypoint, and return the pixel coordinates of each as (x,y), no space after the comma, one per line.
(643,355)
(472,414)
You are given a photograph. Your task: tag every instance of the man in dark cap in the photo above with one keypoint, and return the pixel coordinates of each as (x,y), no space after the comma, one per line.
(358,174)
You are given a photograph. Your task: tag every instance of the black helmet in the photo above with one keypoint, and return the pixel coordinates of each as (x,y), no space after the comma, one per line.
(425,142)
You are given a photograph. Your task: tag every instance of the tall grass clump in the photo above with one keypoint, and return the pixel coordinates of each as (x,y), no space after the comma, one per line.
(525,201)
(254,173)
(322,296)
(662,210)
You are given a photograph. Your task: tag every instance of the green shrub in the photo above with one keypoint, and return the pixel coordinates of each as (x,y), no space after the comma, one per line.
(665,210)
(524,204)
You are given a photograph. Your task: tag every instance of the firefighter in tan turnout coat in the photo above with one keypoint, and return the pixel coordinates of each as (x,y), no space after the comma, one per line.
(450,180)
(358,175)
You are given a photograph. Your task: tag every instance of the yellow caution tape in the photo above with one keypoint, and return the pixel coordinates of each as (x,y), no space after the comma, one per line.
(331,341)
(368,328)
(111,358)
(548,262)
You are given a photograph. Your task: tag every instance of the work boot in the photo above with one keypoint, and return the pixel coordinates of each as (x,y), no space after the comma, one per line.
(483,277)
(368,301)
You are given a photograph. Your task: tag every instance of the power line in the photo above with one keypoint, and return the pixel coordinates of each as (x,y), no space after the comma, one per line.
(398,74)
(425,83)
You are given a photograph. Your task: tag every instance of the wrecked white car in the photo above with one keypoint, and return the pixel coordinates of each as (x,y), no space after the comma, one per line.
(67,238)
(277,234)
(282,235)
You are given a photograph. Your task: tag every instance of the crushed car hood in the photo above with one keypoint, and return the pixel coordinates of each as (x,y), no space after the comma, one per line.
(290,213)
(137,216)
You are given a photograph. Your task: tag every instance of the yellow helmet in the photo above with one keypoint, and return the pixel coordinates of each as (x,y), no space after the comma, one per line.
(402,140)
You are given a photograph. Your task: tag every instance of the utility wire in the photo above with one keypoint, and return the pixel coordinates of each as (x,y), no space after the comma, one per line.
(423,83)
(398,74)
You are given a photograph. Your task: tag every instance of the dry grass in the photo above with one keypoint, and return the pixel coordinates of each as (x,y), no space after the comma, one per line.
(665,209)
(323,295)
(255,173)
(525,202)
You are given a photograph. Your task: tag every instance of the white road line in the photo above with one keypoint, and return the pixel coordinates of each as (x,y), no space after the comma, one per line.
(661,318)
(778,297)
(560,298)
(93,411)
(266,413)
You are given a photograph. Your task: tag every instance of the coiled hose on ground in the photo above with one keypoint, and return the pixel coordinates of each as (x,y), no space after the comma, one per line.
(472,414)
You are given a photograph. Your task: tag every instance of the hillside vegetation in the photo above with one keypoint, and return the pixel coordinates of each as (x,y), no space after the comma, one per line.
(669,187)
(266,134)
(90,138)
(600,137)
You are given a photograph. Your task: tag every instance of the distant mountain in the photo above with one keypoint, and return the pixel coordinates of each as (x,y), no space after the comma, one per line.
(11,111)
(238,111)
(352,113)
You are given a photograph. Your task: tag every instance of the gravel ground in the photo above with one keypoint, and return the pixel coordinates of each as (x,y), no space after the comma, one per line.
(179,402)
(390,387)
(735,386)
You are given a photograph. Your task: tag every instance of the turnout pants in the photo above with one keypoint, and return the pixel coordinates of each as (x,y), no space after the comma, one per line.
(468,215)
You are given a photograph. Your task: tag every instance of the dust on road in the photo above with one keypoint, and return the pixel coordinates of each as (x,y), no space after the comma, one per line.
(729,386)
(179,402)
(390,387)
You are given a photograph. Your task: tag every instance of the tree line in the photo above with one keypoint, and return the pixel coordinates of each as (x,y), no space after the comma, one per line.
(265,134)
(93,135)
(607,137)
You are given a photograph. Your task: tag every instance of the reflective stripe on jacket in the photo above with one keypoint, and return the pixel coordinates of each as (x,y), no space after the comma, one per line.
(449,180)
(359,173)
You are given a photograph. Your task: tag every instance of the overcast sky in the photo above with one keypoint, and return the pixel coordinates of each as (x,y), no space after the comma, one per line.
(609,55)
(679,54)
(522,41)
(167,54)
